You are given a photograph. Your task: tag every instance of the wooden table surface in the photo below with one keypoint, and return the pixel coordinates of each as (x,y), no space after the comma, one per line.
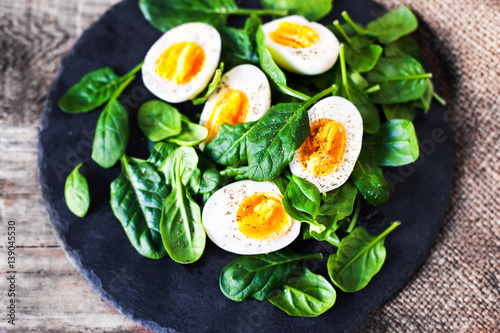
(50,295)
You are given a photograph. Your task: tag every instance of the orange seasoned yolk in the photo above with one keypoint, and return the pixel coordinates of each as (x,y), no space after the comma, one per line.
(294,35)
(262,216)
(322,152)
(231,108)
(181,62)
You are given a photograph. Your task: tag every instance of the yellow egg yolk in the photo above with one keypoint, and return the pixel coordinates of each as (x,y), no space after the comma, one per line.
(322,152)
(181,62)
(231,108)
(294,35)
(262,216)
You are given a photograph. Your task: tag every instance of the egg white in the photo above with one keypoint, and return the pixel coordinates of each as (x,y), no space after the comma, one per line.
(252,82)
(342,111)
(219,219)
(205,36)
(314,59)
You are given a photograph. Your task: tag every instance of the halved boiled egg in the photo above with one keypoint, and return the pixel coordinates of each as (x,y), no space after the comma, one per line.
(327,157)
(182,62)
(247,217)
(243,95)
(300,46)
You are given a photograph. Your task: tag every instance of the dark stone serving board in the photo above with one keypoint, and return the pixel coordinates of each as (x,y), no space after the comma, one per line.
(165,296)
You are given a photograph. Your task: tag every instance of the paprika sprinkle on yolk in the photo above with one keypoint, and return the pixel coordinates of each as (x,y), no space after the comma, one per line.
(322,152)
(181,62)
(231,108)
(294,35)
(262,216)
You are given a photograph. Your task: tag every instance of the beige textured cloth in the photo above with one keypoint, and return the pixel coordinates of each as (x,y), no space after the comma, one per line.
(457,289)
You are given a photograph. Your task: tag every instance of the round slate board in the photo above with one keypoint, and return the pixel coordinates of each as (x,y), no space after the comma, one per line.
(165,296)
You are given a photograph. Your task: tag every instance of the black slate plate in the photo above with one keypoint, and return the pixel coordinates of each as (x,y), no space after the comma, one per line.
(162,295)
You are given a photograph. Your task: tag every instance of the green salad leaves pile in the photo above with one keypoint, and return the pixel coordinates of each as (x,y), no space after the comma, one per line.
(158,201)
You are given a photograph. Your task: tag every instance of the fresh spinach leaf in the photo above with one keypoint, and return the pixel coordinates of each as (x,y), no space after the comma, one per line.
(404,47)
(399,111)
(335,206)
(400,79)
(393,25)
(272,70)
(191,134)
(211,87)
(111,134)
(158,120)
(166,14)
(311,11)
(302,200)
(210,175)
(358,80)
(238,173)
(424,102)
(350,91)
(182,232)
(361,54)
(93,90)
(304,294)
(239,45)
(228,148)
(189,164)
(76,192)
(370,181)
(395,144)
(281,183)
(359,257)
(258,275)
(160,152)
(136,199)
(272,141)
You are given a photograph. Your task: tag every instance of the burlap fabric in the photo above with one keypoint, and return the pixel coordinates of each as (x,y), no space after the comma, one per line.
(457,289)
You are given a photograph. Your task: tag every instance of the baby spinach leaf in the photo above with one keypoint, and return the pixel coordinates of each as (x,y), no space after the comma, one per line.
(238,45)
(393,25)
(182,232)
(360,54)
(191,134)
(404,47)
(228,148)
(370,181)
(424,102)
(258,275)
(158,120)
(301,200)
(335,206)
(400,79)
(166,14)
(111,135)
(348,90)
(272,70)
(304,294)
(94,89)
(210,175)
(76,192)
(211,87)
(160,152)
(358,80)
(359,257)
(399,111)
(136,199)
(272,141)
(311,11)
(238,173)
(189,164)
(281,183)
(395,144)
